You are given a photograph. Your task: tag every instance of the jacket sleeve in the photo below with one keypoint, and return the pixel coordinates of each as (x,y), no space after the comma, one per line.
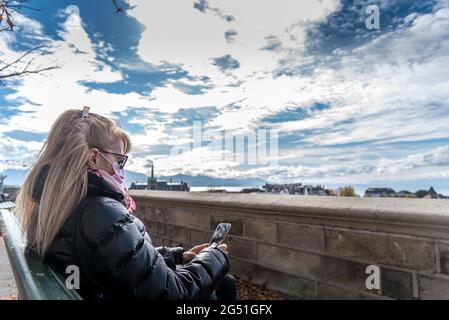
(126,264)
(172,255)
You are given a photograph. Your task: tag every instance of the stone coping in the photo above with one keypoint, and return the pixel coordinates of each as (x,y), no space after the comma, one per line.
(403,211)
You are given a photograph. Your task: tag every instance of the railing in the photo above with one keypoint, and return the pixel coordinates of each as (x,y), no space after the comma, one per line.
(34,279)
(315,247)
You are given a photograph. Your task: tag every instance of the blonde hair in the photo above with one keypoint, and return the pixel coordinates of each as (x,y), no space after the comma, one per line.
(66,151)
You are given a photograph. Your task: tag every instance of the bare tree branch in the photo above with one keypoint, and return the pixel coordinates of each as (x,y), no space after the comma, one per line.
(18,5)
(117,8)
(7,7)
(22,66)
(19,58)
(24,72)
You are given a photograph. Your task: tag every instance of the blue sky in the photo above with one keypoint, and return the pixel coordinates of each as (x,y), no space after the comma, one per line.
(350,105)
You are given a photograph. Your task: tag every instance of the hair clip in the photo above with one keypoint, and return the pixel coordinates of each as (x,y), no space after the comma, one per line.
(85,112)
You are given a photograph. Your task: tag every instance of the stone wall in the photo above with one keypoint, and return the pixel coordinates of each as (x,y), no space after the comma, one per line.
(314,247)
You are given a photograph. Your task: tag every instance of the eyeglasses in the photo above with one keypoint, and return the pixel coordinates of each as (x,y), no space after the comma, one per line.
(122,162)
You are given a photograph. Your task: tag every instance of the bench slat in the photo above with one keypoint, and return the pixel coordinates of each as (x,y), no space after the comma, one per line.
(34,279)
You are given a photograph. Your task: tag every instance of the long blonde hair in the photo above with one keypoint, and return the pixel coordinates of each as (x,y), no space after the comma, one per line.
(66,151)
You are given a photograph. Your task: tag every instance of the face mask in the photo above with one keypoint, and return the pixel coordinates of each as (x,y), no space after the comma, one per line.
(119,173)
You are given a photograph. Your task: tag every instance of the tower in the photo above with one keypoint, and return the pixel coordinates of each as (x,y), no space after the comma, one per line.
(152,182)
(2,178)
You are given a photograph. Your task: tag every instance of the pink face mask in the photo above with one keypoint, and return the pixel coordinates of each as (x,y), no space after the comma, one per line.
(119,173)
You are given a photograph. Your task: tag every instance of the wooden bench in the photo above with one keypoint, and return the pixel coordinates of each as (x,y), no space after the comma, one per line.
(34,279)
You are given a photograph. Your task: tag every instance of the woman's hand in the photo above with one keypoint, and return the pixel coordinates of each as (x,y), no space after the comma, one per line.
(223,247)
(187,256)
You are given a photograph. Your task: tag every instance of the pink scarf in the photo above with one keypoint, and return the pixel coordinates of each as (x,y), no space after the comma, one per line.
(127,201)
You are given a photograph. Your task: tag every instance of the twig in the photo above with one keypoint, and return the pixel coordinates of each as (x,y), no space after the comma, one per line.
(21,57)
(14,65)
(118,9)
(24,72)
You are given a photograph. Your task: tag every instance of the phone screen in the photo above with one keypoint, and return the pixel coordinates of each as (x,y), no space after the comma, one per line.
(220,234)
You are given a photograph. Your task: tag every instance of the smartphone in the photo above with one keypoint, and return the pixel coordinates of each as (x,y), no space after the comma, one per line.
(220,234)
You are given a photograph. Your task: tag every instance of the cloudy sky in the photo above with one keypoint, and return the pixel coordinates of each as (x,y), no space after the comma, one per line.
(349,105)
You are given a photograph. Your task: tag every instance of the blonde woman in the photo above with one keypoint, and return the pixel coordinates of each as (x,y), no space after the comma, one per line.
(76,211)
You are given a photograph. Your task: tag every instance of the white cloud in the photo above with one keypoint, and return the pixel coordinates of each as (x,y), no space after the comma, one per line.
(192,39)
(429,164)
(17,154)
(49,95)
(438,157)
(176,32)
(391,89)
(391,74)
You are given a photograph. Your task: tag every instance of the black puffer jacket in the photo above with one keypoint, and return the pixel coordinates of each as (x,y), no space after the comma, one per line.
(116,257)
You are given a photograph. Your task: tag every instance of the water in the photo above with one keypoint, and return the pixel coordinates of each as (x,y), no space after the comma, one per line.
(217,188)
(359,189)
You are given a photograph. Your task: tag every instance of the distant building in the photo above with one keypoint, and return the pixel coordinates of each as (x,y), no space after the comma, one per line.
(296,188)
(314,190)
(171,186)
(405,194)
(251,190)
(431,194)
(2,195)
(138,186)
(10,192)
(388,192)
(154,184)
(379,192)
